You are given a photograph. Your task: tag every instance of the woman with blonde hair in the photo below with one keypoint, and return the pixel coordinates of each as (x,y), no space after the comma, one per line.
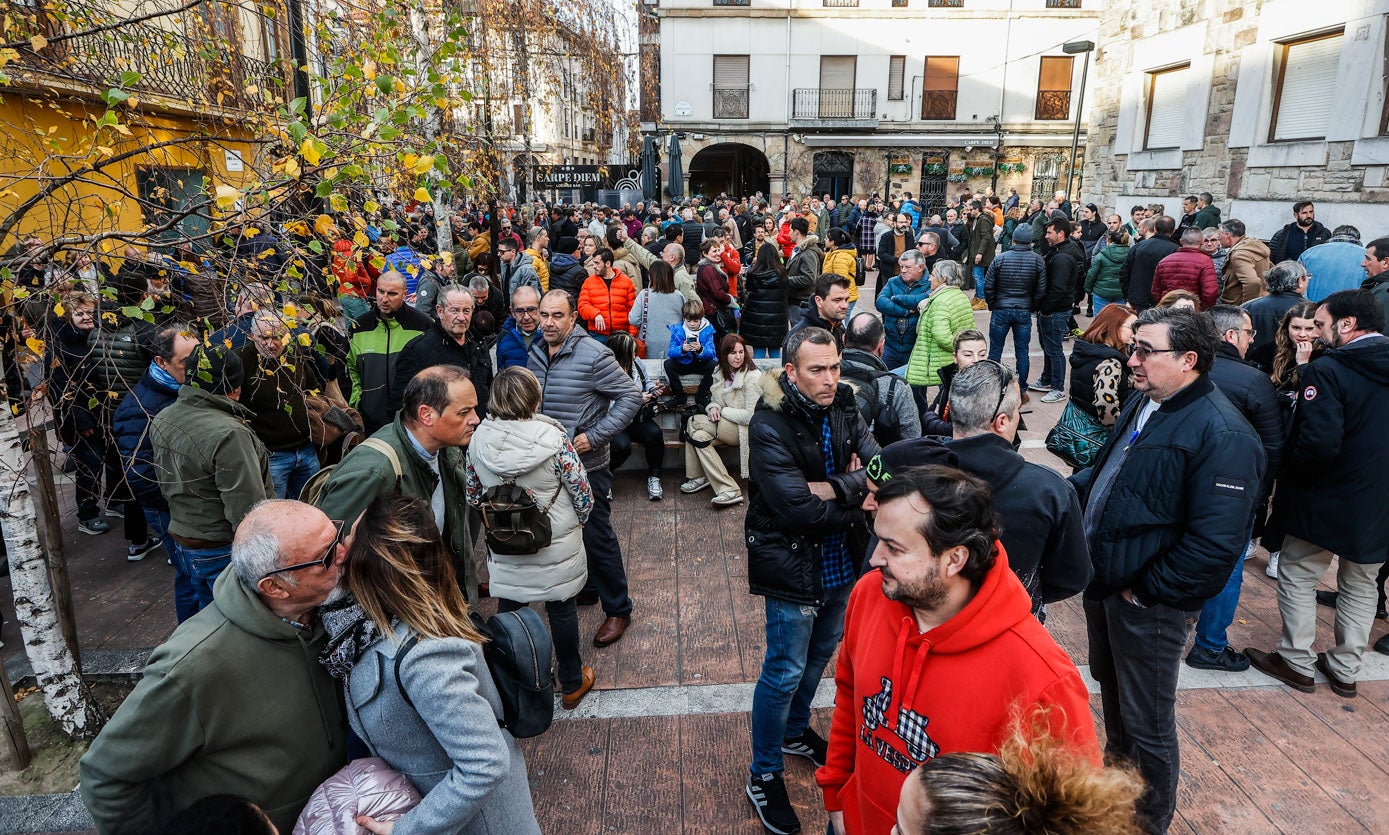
(417,686)
(518,444)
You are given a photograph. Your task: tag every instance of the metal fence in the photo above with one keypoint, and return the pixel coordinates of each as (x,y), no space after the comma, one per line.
(823,103)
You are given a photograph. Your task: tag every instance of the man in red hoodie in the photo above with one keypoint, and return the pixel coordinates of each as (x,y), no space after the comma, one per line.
(940,650)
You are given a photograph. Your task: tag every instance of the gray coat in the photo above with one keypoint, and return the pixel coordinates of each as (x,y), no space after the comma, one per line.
(585,389)
(450,744)
(519,274)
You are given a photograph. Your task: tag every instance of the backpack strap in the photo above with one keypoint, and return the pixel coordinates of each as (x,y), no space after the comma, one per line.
(389,452)
(399,657)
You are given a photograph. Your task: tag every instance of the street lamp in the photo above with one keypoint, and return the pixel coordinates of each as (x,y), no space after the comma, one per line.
(1073,48)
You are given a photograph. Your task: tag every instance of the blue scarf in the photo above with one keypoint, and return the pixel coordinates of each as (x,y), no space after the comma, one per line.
(163,377)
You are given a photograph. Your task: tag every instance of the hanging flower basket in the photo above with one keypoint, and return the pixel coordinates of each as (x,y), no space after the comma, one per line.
(956,178)
(935,169)
(978,170)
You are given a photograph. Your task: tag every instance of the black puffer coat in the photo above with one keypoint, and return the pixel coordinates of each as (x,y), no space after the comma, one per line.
(1085,360)
(1016,280)
(785,520)
(1254,395)
(118,357)
(764,322)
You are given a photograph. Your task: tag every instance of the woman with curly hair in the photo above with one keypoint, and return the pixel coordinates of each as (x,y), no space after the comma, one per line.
(1292,348)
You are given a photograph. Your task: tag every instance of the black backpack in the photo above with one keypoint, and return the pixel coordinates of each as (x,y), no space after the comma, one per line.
(881,421)
(520,657)
(515,524)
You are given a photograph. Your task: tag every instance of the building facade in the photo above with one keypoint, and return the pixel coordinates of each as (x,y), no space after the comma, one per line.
(869,96)
(1260,103)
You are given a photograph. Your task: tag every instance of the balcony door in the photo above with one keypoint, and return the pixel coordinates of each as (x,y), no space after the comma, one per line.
(731,86)
(837,76)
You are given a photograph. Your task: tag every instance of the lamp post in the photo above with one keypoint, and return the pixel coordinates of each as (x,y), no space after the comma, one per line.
(1073,48)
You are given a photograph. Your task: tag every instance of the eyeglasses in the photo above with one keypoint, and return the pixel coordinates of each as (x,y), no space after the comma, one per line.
(524,311)
(1002,385)
(1143,352)
(323,561)
(1253,332)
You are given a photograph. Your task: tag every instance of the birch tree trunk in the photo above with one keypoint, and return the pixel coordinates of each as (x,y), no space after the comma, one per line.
(66,695)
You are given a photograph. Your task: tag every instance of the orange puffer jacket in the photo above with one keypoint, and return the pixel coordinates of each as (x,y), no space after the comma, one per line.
(611,300)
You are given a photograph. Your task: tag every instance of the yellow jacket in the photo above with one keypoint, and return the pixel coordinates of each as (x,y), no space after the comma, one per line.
(542,269)
(843,262)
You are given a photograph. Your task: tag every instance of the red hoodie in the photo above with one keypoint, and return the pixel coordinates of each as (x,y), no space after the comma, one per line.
(949,690)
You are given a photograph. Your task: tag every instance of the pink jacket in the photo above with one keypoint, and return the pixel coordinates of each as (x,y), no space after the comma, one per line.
(362,787)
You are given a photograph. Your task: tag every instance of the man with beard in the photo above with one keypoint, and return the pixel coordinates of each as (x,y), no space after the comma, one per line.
(940,649)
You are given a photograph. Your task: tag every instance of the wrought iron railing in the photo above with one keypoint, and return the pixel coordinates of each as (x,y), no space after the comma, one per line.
(945,4)
(1054,104)
(1063,4)
(823,103)
(732,2)
(840,4)
(938,104)
(731,102)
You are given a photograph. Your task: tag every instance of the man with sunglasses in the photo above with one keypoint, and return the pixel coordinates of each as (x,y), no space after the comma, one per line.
(235,701)
(1167,508)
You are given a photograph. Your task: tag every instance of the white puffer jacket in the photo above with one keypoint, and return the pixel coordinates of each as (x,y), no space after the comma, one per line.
(537,454)
(736,403)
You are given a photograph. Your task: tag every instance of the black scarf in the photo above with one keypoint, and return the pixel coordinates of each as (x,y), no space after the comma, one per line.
(350,633)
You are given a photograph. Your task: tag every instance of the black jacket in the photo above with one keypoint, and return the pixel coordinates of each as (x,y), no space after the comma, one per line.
(812,319)
(1016,280)
(1065,271)
(785,521)
(694,236)
(887,254)
(1177,517)
(1336,462)
(935,416)
(1266,313)
(764,320)
(1085,360)
(1136,276)
(1039,513)
(118,357)
(1278,244)
(1254,395)
(436,347)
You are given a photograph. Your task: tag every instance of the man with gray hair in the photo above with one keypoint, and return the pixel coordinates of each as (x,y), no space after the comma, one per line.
(674,255)
(1286,283)
(190,728)
(279,372)
(1335,265)
(446,343)
(884,400)
(1038,509)
(486,299)
(1188,268)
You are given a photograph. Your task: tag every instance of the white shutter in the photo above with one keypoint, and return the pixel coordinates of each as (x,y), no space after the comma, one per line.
(1308,88)
(837,72)
(730,71)
(896,70)
(1166,107)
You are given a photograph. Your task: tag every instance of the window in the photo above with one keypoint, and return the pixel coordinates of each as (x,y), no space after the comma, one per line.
(1166,107)
(841,4)
(896,69)
(165,192)
(518,119)
(837,76)
(1305,87)
(939,87)
(1054,87)
(730,86)
(1063,4)
(945,4)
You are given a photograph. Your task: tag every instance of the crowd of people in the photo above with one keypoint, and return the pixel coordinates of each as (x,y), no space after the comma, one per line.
(330,427)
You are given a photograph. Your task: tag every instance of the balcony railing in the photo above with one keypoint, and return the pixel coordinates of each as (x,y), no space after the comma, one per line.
(1063,4)
(945,4)
(732,2)
(938,104)
(731,102)
(821,103)
(840,4)
(1054,104)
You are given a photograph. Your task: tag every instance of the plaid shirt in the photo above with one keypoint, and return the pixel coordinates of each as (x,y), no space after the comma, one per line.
(836,569)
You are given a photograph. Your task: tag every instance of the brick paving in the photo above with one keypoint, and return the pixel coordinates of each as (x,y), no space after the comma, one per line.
(1255,759)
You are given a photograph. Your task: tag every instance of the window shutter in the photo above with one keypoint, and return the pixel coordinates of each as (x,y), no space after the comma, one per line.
(837,72)
(730,71)
(896,69)
(1056,73)
(1166,105)
(942,73)
(1308,88)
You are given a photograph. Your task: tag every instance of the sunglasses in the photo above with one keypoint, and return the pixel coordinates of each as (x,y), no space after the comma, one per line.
(1002,384)
(324,561)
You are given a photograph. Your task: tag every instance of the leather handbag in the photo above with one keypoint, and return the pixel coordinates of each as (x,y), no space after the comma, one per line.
(1077,437)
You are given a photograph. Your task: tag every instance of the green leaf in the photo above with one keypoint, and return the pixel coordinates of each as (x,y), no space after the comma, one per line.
(130,312)
(323,189)
(130,78)
(316,247)
(296,106)
(388,133)
(114,96)
(147,303)
(297,132)
(385,83)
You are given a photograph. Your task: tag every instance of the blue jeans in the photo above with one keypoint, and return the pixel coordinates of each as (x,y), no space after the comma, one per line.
(800,642)
(979,282)
(185,599)
(290,469)
(1052,327)
(1020,323)
(202,567)
(766,353)
(1100,302)
(1219,612)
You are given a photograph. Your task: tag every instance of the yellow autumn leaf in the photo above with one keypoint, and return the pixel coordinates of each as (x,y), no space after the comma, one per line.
(410,160)
(423,164)
(421,195)
(252,89)
(104,150)
(371,207)
(309,151)
(34,345)
(252,231)
(133,101)
(323,225)
(305,340)
(226,197)
(292,168)
(289,311)
(360,240)
(38,42)
(122,129)
(369,70)
(447,257)
(58,309)
(337,202)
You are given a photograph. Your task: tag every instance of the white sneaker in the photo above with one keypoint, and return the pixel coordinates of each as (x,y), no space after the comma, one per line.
(1272,569)
(1038,386)
(1054,396)
(653,488)
(726,498)
(694,485)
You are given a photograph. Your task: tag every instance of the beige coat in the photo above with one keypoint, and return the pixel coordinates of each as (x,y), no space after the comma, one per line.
(736,404)
(1242,278)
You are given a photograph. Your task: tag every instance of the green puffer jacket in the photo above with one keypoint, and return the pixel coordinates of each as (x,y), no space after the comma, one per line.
(947,312)
(1103,278)
(212,468)
(234,702)
(366,473)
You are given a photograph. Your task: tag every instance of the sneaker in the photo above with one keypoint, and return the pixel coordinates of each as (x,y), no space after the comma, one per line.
(135,553)
(1272,569)
(653,488)
(1054,396)
(1228,660)
(93,527)
(808,745)
(115,511)
(1038,386)
(694,485)
(767,792)
(727,498)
